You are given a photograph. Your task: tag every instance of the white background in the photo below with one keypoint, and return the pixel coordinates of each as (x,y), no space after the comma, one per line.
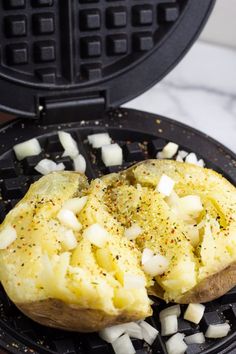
(221,28)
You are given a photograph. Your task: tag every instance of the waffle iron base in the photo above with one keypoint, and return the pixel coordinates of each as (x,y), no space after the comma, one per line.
(141,136)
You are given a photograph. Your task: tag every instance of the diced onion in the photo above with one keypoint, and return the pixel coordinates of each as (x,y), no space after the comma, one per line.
(156,265)
(149,333)
(160,155)
(176,345)
(96,234)
(191,158)
(68,240)
(165,185)
(194,313)
(196,338)
(75,204)
(132,281)
(133,232)
(79,164)
(7,236)
(99,140)
(169,325)
(123,345)
(182,153)
(69,144)
(133,330)
(201,163)
(190,204)
(68,219)
(179,158)
(110,334)
(218,330)
(112,155)
(47,166)
(60,166)
(173,200)
(146,255)
(28,148)
(169,150)
(171,310)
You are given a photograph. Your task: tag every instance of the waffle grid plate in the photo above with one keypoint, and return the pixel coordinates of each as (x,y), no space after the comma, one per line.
(141,136)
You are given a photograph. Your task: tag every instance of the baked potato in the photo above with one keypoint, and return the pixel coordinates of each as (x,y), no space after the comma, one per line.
(198,240)
(72,253)
(63,284)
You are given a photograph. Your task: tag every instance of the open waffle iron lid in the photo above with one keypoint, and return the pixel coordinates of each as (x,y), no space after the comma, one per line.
(84,56)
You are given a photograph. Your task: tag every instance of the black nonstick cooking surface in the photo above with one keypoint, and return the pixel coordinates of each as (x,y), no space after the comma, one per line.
(141,136)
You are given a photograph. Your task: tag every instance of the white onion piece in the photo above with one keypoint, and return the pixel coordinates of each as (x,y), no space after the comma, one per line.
(190,204)
(218,330)
(133,232)
(60,167)
(68,240)
(123,345)
(169,325)
(79,164)
(169,150)
(7,236)
(171,310)
(182,154)
(194,313)
(99,140)
(132,281)
(110,334)
(179,158)
(196,338)
(191,158)
(28,148)
(96,234)
(112,155)
(68,219)
(173,200)
(146,255)
(69,144)
(75,204)
(149,333)
(133,330)
(165,185)
(201,163)
(160,155)
(176,345)
(156,265)
(47,166)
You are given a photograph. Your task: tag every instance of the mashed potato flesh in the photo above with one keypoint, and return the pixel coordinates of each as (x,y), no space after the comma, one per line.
(37,266)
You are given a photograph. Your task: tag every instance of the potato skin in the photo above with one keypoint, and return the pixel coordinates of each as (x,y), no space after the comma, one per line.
(211,287)
(57,314)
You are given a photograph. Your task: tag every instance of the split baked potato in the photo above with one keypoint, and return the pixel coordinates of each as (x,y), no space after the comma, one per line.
(70,259)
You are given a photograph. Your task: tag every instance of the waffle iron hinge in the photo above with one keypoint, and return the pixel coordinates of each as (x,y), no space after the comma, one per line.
(52,110)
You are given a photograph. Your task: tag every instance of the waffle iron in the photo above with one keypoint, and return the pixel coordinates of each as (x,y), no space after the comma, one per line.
(69,64)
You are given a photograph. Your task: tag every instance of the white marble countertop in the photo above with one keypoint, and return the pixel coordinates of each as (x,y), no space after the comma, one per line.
(200,92)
